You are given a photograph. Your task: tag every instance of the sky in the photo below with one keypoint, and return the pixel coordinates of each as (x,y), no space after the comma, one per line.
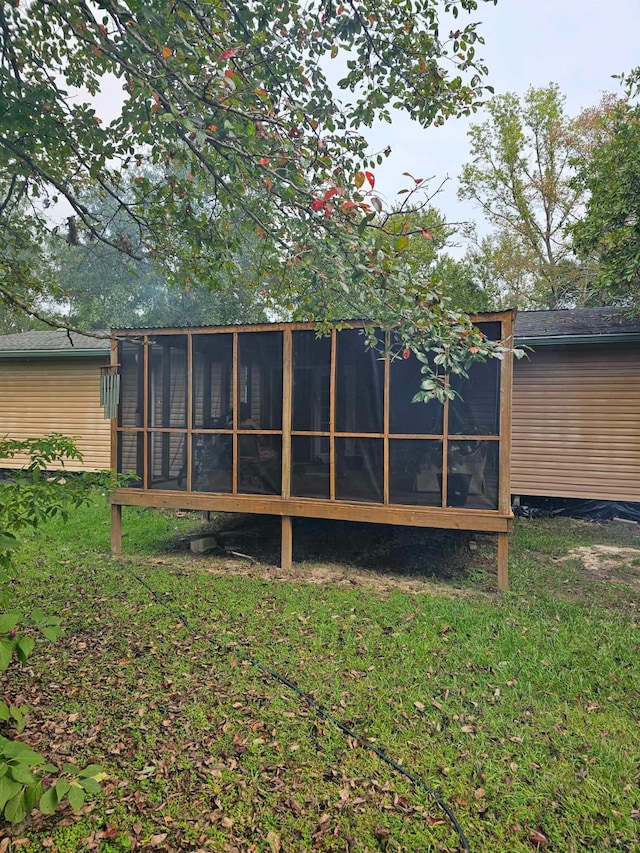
(578,44)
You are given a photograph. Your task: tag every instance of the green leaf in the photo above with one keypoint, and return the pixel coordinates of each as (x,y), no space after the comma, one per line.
(50,633)
(6,653)
(8,789)
(48,801)
(25,647)
(16,809)
(8,621)
(76,797)
(89,784)
(62,788)
(22,774)
(91,770)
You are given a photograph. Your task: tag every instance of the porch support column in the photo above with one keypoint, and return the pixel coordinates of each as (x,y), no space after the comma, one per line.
(286,551)
(503,561)
(116,530)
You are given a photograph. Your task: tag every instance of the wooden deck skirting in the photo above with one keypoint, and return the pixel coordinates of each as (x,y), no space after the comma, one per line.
(161,435)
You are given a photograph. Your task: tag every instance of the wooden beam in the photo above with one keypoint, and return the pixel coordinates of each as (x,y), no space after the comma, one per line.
(286,550)
(503,561)
(116,529)
(506,381)
(188,441)
(287,403)
(451,518)
(385,424)
(332,417)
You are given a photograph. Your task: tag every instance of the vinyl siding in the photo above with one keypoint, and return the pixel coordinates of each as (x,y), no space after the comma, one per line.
(576,423)
(44,395)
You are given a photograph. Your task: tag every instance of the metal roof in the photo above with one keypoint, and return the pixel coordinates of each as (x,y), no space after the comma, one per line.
(52,343)
(565,326)
(577,325)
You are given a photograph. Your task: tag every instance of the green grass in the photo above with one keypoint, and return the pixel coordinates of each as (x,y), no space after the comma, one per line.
(521,709)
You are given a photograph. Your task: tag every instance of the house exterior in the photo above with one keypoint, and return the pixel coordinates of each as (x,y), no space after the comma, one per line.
(50,382)
(576,405)
(576,401)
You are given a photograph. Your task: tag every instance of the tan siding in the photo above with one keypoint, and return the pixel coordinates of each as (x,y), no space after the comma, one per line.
(576,423)
(44,395)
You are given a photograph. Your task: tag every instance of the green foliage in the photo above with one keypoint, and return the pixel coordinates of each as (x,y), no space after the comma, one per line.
(609,233)
(98,286)
(521,177)
(29,498)
(228,122)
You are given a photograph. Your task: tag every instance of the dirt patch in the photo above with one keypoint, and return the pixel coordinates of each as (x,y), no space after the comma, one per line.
(333,574)
(375,557)
(609,562)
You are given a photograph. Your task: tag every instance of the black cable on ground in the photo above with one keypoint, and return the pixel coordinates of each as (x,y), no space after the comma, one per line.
(313,703)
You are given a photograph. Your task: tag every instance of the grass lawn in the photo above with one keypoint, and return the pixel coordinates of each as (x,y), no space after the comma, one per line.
(521,709)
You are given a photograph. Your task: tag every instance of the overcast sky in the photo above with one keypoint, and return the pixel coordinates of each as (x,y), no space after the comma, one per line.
(577,44)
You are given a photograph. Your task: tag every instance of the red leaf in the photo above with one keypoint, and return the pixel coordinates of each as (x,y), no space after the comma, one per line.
(473,350)
(330,193)
(228,53)
(406,352)
(371,178)
(317,204)
(264,161)
(427,234)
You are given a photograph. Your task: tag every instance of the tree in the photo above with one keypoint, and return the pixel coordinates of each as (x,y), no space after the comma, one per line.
(231,103)
(609,233)
(99,287)
(521,176)
(465,289)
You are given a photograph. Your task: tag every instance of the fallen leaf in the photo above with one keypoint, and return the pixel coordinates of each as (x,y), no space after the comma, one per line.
(419,705)
(156,840)
(273,840)
(538,838)
(479,793)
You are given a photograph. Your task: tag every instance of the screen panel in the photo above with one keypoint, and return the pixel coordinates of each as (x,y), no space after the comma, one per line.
(260,377)
(405,417)
(212,381)
(359,385)
(311,382)
(131,408)
(473,474)
(476,411)
(415,472)
(168,381)
(130,456)
(212,463)
(168,461)
(310,468)
(359,469)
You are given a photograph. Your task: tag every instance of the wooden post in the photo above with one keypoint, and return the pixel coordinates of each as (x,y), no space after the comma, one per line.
(286,551)
(503,561)
(116,530)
